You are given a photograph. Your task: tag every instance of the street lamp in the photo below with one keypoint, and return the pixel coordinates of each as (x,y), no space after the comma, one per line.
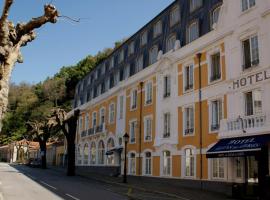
(126,138)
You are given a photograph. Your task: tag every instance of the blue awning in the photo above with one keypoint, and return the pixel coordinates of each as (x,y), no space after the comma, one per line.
(237,147)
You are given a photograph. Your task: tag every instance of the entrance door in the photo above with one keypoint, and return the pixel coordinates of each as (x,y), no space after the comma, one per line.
(251,166)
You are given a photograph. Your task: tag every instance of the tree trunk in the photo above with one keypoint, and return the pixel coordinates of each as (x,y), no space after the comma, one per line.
(71,157)
(43,154)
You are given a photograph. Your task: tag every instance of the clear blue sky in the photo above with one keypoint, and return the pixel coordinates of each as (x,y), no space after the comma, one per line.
(64,43)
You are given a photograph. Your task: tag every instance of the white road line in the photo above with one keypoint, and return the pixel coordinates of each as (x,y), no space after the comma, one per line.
(72,197)
(48,185)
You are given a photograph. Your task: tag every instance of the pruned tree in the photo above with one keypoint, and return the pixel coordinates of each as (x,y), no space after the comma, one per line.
(42,130)
(12,38)
(68,125)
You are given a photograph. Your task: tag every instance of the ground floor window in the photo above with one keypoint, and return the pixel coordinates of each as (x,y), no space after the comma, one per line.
(101,153)
(252,165)
(238,167)
(148,164)
(93,153)
(218,168)
(85,153)
(166,163)
(132,164)
(110,157)
(189,163)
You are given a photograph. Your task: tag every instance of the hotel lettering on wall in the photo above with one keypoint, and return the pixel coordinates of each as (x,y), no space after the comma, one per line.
(251,79)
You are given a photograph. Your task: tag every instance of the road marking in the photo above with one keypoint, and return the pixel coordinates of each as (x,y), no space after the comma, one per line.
(69,195)
(48,185)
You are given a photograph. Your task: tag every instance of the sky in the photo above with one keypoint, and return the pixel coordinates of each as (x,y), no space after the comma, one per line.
(65,43)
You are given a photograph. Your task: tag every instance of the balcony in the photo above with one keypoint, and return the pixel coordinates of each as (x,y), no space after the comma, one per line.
(101,128)
(83,133)
(244,126)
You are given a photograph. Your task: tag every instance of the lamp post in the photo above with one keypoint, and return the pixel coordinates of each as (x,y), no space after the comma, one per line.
(126,138)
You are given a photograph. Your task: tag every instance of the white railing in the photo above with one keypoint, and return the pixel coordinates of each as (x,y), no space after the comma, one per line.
(244,125)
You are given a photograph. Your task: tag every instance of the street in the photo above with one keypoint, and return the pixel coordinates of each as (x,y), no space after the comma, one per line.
(24,183)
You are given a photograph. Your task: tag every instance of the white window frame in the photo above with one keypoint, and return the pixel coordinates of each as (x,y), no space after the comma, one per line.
(210,68)
(167,86)
(162,164)
(210,110)
(251,52)
(100,115)
(248,4)
(127,72)
(80,124)
(157,30)
(194,163)
(169,44)
(91,153)
(175,16)
(131,48)
(121,56)
(218,177)
(111,113)
(145,162)
(167,125)
(195,4)
(185,78)
(148,94)
(139,64)
(134,121)
(214,12)
(253,104)
(94,119)
(129,164)
(133,102)
(146,118)
(86,122)
(196,22)
(185,121)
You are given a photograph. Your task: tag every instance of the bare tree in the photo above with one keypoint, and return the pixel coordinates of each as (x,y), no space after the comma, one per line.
(68,125)
(12,38)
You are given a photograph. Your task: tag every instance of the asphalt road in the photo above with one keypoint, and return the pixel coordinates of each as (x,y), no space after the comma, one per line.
(23,183)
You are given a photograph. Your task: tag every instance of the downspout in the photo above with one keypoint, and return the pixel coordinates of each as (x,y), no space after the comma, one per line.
(199,55)
(140,128)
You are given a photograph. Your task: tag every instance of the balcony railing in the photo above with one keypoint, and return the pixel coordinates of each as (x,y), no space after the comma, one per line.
(100,128)
(245,125)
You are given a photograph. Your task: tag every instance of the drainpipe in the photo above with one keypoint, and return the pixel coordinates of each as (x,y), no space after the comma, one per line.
(199,55)
(140,129)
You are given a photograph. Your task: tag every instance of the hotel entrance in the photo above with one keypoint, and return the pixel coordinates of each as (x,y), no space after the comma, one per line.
(250,164)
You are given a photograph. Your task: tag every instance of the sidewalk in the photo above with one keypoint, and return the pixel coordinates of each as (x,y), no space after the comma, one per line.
(149,188)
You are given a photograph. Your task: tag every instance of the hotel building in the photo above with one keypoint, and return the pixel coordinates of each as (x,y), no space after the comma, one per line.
(191,88)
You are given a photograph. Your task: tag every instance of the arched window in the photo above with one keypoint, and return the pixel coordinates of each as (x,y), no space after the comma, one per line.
(132,164)
(102,116)
(85,154)
(101,152)
(93,153)
(166,163)
(148,163)
(79,154)
(189,162)
(110,157)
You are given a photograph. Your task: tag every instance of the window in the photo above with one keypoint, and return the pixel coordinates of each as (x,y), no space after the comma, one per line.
(218,168)
(144,38)
(127,71)
(253,102)
(112,63)
(94,119)
(121,107)
(103,69)
(250,52)
(102,116)
(148,93)
(80,123)
(216,114)
(79,154)
(167,125)
(189,163)
(239,167)
(133,99)
(132,164)
(193,32)
(215,16)
(195,4)
(215,71)
(175,15)
(131,48)
(148,129)
(121,56)
(167,86)
(157,29)
(132,130)
(148,164)
(86,122)
(93,153)
(111,113)
(166,163)
(188,77)
(85,152)
(171,42)
(139,64)
(101,152)
(153,55)
(247,4)
(116,78)
(189,121)
(110,154)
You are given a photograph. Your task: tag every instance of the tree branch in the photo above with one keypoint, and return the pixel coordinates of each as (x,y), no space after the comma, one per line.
(6,9)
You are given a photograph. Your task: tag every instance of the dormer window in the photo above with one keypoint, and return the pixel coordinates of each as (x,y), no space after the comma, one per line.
(214,16)
(131,48)
(144,38)
(193,32)
(157,29)
(121,56)
(171,42)
(153,55)
(175,15)
(247,4)
(112,63)
(195,4)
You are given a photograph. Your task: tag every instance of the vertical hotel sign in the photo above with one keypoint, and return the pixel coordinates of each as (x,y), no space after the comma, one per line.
(251,79)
